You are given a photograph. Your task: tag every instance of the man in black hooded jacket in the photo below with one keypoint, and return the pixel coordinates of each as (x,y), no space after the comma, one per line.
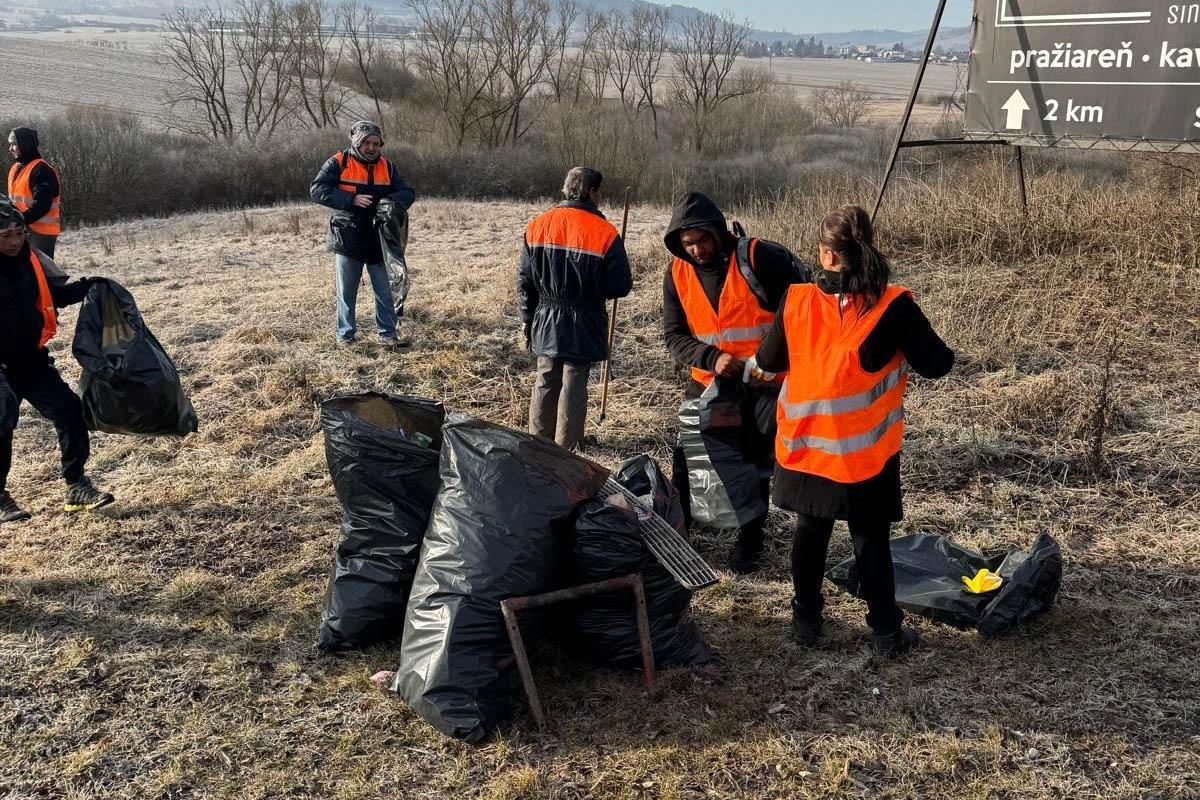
(33,187)
(30,290)
(706,254)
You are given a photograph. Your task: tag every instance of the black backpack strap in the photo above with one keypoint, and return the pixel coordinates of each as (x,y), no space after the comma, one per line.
(745,263)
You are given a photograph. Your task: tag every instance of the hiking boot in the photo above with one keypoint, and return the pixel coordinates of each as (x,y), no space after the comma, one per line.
(10,511)
(83,496)
(895,644)
(806,631)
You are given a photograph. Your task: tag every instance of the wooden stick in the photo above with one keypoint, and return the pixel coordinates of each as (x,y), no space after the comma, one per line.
(612,321)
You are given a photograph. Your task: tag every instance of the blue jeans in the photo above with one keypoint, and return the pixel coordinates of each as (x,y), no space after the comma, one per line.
(349,273)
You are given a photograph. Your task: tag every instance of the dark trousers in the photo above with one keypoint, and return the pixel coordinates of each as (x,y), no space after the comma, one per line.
(43,242)
(558,406)
(39,382)
(872,555)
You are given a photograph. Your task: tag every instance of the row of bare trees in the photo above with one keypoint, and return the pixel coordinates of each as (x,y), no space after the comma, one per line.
(250,68)
(489,69)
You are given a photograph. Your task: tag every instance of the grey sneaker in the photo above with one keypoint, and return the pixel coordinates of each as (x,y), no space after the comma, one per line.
(83,496)
(10,511)
(893,645)
(395,342)
(345,342)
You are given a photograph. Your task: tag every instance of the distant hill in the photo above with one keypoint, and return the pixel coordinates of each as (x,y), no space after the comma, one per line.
(948,37)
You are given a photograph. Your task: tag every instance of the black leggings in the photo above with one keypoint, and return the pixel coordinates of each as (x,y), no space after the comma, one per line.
(38,382)
(873,556)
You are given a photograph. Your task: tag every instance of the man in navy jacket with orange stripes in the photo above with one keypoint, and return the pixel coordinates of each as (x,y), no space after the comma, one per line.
(573,262)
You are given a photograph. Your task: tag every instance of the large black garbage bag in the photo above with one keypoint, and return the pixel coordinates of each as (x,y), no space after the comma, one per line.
(383,457)
(724,486)
(128,383)
(608,544)
(929,571)
(491,536)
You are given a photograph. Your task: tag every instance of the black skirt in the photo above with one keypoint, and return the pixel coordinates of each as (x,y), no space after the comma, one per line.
(876,498)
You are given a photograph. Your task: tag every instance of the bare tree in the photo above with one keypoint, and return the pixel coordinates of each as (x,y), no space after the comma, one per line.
(317,52)
(843,105)
(459,67)
(595,61)
(566,70)
(522,41)
(617,40)
(648,44)
(196,44)
(262,51)
(359,22)
(704,56)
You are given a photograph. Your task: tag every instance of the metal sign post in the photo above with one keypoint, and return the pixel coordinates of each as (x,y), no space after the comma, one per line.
(912,100)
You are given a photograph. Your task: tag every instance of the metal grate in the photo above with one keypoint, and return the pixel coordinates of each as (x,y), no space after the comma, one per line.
(671,549)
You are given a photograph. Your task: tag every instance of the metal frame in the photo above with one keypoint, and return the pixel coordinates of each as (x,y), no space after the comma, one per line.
(512,605)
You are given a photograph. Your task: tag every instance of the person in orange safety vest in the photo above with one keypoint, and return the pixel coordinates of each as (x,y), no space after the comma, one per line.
(34,188)
(720,294)
(846,343)
(31,289)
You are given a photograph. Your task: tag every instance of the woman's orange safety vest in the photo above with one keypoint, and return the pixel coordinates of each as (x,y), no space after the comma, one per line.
(45,302)
(21,195)
(738,324)
(835,419)
(356,176)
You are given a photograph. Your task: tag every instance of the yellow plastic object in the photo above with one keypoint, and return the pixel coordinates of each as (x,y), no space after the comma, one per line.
(984,581)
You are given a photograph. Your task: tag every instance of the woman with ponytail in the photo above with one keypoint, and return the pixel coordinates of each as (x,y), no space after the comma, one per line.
(846,342)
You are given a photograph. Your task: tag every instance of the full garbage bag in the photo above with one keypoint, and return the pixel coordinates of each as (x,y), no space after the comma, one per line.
(491,536)
(608,544)
(391,221)
(929,570)
(128,383)
(724,486)
(382,453)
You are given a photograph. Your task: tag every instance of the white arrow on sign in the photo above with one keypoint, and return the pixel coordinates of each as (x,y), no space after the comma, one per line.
(1016,108)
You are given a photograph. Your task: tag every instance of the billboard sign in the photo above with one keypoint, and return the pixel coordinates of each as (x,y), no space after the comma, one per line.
(1082,73)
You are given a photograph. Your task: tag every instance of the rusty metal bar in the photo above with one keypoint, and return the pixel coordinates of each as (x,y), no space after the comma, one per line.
(512,605)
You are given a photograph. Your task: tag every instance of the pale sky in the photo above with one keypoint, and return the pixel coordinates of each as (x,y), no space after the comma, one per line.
(815,16)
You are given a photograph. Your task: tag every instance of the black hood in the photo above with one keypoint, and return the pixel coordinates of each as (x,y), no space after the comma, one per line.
(696,210)
(27,143)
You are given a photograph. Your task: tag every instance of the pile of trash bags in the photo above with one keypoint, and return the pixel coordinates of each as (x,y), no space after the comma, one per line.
(496,513)
(128,383)
(929,581)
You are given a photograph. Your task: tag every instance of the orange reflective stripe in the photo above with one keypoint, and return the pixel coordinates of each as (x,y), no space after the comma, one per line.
(21,194)
(45,301)
(738,324)
(573,230)
(835,419)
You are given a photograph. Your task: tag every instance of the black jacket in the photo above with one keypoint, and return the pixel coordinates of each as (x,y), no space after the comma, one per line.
(20,320)
(774,266)
(352,230)
(43,183)
(902,327)
(563,281)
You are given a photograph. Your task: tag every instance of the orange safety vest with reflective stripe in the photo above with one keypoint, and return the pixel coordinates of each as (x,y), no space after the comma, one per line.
(738,324)
(44,301)
(21,195)
(573,231)
(359,178)
(835,419)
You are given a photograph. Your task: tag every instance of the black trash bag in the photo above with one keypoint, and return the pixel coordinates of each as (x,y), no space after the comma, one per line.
(383,457)
(491,536)
(724,486)
(128,383)
(391,220)
(608,544)
(929,570)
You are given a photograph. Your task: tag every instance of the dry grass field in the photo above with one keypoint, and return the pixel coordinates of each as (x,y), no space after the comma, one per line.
(163,647)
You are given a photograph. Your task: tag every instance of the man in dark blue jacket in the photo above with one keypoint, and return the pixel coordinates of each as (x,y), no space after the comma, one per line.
(573,261)
(352,182)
